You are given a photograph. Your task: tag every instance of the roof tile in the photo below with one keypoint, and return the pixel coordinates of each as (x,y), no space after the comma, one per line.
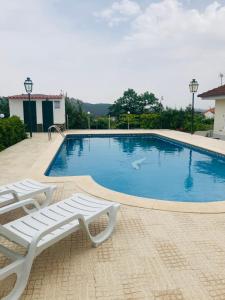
(219,91)
(35,97)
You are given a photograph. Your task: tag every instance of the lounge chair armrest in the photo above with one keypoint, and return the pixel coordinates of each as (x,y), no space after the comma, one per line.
(41,234)
(10,191)
(18,204)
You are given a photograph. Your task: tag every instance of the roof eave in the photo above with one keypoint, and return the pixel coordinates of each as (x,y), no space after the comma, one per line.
(222,97)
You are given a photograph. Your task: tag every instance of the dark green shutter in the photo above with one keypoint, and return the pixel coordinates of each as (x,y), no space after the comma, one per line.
(26,114)
(47,112)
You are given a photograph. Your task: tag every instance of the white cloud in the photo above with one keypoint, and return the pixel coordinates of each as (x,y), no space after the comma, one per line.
(168,22)
(39,44)
(119,11)
(168,44)
(165,45)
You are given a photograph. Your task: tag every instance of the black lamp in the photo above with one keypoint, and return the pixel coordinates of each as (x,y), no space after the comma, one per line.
(28,84)
(193,86)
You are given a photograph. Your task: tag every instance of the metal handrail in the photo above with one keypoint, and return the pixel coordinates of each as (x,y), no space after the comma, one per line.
(57,129)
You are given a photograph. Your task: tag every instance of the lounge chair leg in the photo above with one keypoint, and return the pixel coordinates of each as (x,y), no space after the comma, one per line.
(48,196)
(46,203)
(104,235)
(21,268)
(20,285)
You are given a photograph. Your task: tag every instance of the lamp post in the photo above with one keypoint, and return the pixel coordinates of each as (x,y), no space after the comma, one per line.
(128,120)
(109,122)
(193,86)
(28,84)
(221,78)
(161,109)
(89,123)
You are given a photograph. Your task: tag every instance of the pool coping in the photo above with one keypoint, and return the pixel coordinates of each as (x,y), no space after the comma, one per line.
(88,185)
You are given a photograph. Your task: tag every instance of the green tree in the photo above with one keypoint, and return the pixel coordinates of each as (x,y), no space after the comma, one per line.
(150,121)
(136,104)
(173,118)
(77,118)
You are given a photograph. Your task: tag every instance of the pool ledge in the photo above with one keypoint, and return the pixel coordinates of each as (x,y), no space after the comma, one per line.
(88,185)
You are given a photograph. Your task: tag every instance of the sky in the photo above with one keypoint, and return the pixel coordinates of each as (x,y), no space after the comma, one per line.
(96,49)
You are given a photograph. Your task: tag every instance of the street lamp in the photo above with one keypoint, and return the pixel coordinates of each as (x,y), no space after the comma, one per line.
(193,86)
(221,78)
(89,123)
(128,120)
(161,109)
(109,122)
(28,84)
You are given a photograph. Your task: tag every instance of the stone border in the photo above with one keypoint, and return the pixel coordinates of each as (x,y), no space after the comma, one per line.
(88,185)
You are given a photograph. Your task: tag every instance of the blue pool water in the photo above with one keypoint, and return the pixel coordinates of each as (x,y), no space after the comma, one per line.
(145,165)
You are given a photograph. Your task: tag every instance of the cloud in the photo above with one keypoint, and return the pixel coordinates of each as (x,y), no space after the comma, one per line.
(45,44)
(158,47)
(170,43)
(119,11)
(167,23)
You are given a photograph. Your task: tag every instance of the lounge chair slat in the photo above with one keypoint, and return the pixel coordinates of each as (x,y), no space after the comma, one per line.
(92,199)
(26,189)
(33,222)
(25,185)
(72,206)
(50,214)
(25,229)
(36,183)
(73,202)
(43,219)
(18,187)
(87,205)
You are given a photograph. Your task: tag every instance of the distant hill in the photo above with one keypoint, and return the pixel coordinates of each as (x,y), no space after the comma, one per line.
(98,109)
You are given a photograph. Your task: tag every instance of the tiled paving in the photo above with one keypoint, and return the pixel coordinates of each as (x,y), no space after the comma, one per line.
(153,254)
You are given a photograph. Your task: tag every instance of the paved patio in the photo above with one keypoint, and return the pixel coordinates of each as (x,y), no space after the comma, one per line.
(153,254)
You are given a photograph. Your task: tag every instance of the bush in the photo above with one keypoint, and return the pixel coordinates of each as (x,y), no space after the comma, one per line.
(12,131)
(150,121)
(134,121)
(101,123)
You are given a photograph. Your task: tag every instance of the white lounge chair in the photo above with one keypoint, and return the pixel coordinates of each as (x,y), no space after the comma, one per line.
(23,190)
(48,225)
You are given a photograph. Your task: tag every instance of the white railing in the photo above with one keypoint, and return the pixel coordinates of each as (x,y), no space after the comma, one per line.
(57,129)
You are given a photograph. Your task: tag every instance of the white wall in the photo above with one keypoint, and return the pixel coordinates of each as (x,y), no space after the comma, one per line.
(16,108)
(209,115)
(59,114)
(219,121)
(39,112)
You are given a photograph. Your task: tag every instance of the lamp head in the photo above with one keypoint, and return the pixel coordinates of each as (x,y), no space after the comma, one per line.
(193,86)
(28,84)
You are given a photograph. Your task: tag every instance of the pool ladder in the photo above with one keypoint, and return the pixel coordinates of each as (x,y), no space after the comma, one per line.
(57,129)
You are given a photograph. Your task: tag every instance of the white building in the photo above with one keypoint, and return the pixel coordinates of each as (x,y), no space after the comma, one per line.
(46,110)
(217,94)
(209,114)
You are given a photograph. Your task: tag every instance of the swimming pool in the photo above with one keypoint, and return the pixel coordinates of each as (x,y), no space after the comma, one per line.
(143,165)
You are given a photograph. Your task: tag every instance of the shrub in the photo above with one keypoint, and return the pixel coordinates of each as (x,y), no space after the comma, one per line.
(134,121)
(12,131)
(150,121)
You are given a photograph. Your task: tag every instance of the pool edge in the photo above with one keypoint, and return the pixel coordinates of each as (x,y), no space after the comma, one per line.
(87,183)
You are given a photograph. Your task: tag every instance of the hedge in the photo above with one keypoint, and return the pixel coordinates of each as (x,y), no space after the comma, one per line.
(12,131)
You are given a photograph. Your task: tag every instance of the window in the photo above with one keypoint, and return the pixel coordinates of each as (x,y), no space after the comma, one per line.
(57,104)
